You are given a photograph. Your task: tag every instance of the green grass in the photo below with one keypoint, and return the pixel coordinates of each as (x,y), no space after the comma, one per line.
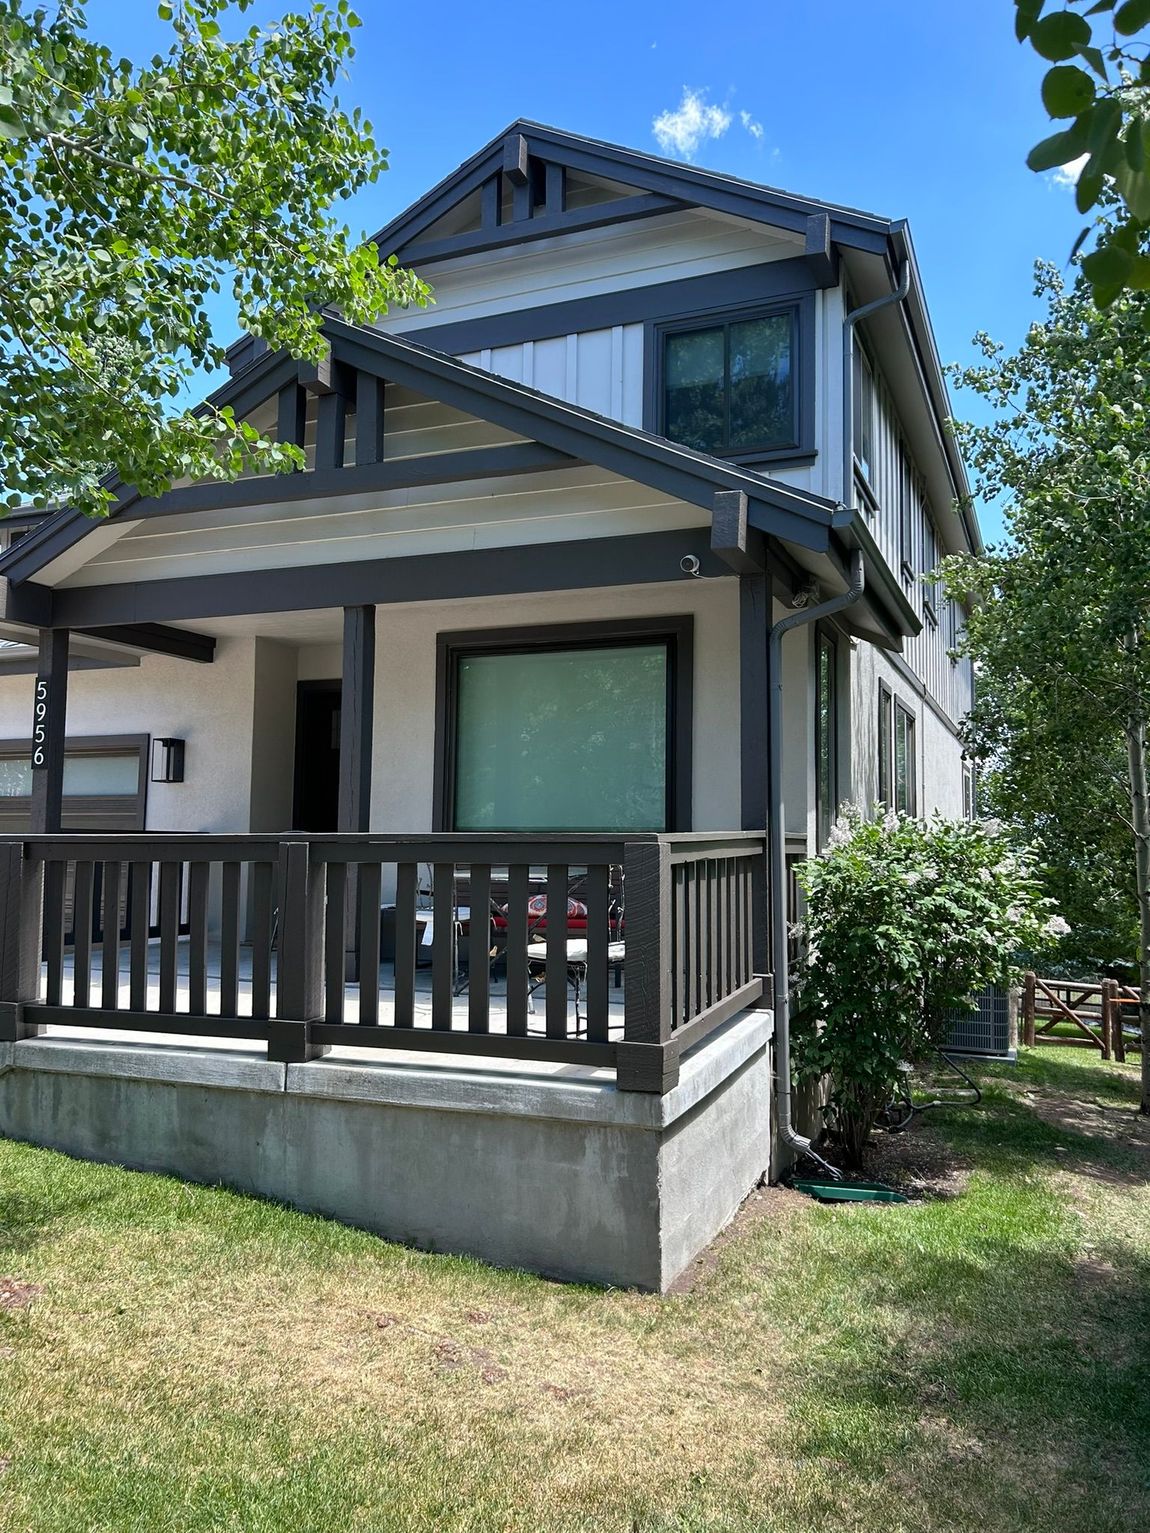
(976,1359)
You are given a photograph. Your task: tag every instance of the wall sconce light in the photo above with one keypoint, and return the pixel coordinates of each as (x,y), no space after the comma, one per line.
(167,760)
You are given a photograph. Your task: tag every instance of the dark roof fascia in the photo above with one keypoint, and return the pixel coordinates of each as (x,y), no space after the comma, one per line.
(62,529)
(686,183)
(882,585)
(788,513)
(792,514)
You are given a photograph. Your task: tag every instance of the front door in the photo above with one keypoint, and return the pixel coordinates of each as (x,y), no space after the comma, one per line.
(317,756)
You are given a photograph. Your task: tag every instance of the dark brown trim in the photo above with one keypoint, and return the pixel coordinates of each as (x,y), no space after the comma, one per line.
(357,707)
(93,745)
(158,639)
(679,634)
(528,568)
(543,225)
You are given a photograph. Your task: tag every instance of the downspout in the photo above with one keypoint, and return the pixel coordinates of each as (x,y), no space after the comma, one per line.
(776,826)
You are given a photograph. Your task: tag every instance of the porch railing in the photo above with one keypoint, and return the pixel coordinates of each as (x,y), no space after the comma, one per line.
(600,950)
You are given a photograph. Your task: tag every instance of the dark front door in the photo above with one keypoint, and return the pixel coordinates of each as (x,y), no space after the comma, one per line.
(317,756)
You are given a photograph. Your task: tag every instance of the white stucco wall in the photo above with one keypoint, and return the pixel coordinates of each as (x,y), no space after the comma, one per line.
(403,777)
(937,746)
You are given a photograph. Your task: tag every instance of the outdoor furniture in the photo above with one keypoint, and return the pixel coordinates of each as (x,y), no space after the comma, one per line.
(578,947)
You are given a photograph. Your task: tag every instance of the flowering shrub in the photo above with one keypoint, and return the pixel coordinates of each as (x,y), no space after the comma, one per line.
(905,920)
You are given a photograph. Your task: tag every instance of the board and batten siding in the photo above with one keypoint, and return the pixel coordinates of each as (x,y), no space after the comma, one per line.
(904,527)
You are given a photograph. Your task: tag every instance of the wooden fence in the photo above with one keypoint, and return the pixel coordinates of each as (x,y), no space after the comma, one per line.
(1095,1012)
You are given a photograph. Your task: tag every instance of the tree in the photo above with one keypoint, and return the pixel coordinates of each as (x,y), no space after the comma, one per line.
(905,920)
(129,194)
(1107,107)
(1060,627)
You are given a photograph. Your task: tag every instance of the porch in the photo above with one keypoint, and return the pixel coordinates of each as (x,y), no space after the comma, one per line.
(609,954)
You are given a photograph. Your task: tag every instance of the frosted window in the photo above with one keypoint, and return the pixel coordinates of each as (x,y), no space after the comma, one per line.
(572,739)
(85,776)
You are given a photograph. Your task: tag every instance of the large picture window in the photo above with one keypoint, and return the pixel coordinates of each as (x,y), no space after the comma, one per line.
(104,783)
(565,733)
(730,387)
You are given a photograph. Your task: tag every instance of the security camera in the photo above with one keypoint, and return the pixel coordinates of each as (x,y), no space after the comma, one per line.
(689,564)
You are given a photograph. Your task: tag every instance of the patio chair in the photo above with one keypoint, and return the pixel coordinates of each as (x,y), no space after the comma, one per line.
(578,947)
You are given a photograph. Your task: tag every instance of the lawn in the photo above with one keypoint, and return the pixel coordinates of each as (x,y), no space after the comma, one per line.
(188,1359)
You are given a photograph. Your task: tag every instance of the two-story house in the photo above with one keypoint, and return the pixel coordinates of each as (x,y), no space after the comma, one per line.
(461,746)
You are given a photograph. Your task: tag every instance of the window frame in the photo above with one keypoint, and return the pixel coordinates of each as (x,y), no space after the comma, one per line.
(885,746)
(93,745)
(801,307)
(676,632)
(826,641)
(910,720)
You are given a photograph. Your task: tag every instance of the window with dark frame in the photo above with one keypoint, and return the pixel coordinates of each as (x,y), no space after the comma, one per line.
(905,761)
(569,733)
(863,406)
(729,387)
(968,797)
(885,745)
(826,736)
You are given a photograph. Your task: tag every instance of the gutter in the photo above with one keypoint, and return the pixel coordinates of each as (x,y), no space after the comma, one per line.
(776,820)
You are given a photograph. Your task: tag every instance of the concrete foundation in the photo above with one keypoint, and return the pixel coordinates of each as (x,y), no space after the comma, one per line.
(567,1177)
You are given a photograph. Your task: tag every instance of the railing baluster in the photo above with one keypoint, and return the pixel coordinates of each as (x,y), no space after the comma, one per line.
(262,875)
(110,936)
(370,883)
(479,950)
(557,883)
(139,920)
(198,878)
(82,934)
(518,970)
(442,945)
(406,886)
(598,898)
(335,942)
(230,941)
(55,874)
(169,923)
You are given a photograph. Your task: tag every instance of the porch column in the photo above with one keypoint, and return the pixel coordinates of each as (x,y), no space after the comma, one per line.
(48,730)
(754,777)
(357,706)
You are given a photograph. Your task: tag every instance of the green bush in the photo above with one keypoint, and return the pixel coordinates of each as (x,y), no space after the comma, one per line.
(905,920)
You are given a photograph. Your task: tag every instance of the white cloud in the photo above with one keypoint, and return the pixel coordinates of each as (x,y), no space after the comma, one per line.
(755,129)
(695,119)
(1067,175)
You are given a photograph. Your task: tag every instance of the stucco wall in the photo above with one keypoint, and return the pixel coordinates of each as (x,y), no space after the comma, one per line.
(937,747)
(403,778)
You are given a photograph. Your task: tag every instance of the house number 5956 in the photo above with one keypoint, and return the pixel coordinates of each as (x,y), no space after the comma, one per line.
(40,726)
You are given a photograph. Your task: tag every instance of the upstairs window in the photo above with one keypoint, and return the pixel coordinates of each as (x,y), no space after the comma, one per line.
(729,388)
(864,405)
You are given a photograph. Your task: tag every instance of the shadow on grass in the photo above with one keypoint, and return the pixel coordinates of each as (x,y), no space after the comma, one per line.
(996,1346)
(26,1221)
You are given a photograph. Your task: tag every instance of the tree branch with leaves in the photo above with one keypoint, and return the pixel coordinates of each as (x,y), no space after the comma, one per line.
(130,196)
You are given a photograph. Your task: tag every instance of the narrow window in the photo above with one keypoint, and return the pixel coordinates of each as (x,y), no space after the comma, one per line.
(968,799)
(905,765)
(885,744)
(730,388)
(826,737)
(929,564)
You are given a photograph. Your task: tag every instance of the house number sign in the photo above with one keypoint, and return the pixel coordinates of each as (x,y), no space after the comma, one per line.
(40,725)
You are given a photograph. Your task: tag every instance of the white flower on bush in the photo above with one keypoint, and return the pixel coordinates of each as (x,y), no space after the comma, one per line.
(985,876)
(1057,927)
(890,820)
(840,833)
(911,878)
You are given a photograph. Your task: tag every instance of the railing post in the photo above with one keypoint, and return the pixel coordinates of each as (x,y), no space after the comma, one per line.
(648,1057)
(1028,1009)
(299,975)
(21,915)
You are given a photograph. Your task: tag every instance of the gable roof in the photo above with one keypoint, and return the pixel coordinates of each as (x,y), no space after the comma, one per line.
(794,515)
(670,179)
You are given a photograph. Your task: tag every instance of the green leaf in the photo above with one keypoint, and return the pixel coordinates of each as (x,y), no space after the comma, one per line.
(1107,265)
(1067,90)
(1131,17)
(1025,15)
(1060,35)
(164,12)
(1087,190)
(1058,149)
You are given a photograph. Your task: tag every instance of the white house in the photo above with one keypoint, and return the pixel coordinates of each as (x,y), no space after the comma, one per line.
(508,645)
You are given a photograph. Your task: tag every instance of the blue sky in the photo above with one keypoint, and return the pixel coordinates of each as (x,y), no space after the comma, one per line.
(909,108)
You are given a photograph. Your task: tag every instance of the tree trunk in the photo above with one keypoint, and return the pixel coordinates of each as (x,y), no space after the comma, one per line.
(1140,807)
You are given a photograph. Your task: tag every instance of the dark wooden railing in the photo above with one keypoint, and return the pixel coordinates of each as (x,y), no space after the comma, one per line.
(280,938)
